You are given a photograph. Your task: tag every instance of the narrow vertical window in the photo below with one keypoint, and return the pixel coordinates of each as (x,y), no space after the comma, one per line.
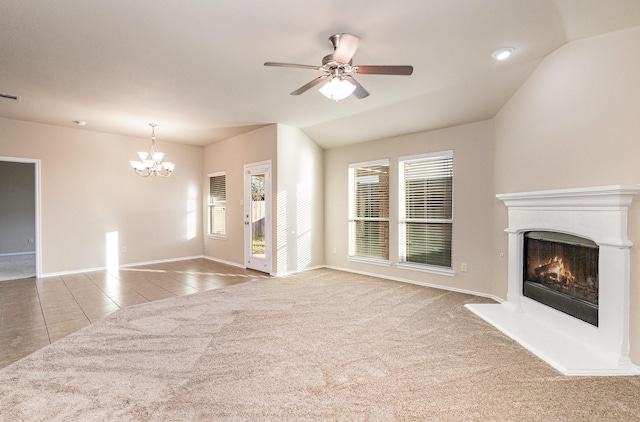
(369,211)
(426,210)
(217,204)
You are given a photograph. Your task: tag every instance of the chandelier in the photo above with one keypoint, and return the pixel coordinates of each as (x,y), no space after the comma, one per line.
(151,162)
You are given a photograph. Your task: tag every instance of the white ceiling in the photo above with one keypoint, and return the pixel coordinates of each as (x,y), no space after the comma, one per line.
(195,67)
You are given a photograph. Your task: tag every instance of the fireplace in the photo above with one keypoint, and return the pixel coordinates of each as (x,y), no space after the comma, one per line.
(561,271)
(568,278)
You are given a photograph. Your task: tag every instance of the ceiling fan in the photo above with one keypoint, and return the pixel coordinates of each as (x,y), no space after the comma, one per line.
(339,71)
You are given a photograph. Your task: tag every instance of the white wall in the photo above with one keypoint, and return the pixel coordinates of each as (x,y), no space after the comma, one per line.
(472,146)
(89,190)
(574,123)
(300,201)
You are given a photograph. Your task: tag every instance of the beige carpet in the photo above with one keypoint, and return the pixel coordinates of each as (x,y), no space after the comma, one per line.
(319,346)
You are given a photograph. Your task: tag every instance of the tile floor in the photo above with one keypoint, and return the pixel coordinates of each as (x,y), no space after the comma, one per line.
(35,312)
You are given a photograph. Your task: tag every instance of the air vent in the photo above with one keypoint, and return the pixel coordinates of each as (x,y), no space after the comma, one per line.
(9,96)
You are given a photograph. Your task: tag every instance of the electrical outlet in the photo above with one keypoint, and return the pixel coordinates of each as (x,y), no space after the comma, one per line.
(30,240)
(463,267)
(335,250)
(124,249)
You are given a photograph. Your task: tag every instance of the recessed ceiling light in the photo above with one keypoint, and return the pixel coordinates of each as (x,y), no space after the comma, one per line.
(80,123)
(503,53)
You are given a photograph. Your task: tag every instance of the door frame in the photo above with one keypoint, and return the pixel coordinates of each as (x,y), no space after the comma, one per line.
(249,261)
(38,223)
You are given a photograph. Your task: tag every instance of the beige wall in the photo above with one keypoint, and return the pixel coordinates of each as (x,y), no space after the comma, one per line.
(574,123)
(88,190)
(300,201)
(297,207)
(230,156)
(473,202)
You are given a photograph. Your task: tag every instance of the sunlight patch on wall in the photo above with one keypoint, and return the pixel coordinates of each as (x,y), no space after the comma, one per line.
(192,224)
(303,223)
(112,249)
(281,233)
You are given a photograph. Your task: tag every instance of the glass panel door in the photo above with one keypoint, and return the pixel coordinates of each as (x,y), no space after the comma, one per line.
(257,216)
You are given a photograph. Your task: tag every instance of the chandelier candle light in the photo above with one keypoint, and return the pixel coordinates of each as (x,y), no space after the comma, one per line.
(151,162)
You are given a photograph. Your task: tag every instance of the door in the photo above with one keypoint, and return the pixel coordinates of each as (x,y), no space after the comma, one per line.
(257,216)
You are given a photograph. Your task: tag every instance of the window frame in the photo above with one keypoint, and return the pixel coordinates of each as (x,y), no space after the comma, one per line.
(352,218)
(403,220)
(212,205)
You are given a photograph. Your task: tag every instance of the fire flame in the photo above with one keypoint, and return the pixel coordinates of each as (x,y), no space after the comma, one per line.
(556,266)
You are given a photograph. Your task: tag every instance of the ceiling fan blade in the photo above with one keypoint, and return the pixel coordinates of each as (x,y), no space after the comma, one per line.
(360,92)
(298,66)
(383,70)
(347,46)
(310,85)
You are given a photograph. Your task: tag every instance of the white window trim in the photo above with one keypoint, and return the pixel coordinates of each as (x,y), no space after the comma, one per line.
(411,266)
(372,261)
(352,218)
(208,234)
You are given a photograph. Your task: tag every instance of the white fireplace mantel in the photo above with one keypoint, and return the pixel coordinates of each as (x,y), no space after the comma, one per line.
(570,345)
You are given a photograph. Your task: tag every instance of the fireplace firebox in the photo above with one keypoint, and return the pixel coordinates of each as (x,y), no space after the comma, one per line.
(561,271)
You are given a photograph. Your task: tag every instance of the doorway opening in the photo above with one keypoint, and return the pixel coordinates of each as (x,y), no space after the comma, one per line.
(19,218)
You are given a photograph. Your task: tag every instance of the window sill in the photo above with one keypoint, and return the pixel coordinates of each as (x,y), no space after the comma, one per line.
(380,262)
(217,236)
(426,268)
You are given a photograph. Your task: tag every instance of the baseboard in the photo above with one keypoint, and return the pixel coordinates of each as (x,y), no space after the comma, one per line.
(285,273)
(222,261)
(272,274)
(17,253)
(419,283)
(61,273)
(161,261)
(135,264)
(288,273)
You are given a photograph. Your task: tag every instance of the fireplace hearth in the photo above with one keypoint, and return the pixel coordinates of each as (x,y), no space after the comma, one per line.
(561,271)
(568,278)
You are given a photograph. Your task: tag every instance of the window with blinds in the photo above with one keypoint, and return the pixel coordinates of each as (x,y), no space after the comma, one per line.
(426,209)
(217,204)
(369,210)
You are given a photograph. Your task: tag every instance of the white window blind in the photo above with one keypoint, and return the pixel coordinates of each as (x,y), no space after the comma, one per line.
(426,209)
(369,210)
(217,204)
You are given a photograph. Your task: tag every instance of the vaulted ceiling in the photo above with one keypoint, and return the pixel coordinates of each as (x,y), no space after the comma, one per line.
(195,67)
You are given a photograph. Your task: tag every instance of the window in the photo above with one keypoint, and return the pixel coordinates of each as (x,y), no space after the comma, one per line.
(426,210)
(369,211)
(217,204)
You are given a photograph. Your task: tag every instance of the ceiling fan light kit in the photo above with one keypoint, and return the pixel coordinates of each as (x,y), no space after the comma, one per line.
(339,70)
(337,89)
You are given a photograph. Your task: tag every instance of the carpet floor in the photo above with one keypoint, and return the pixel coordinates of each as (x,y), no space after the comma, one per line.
(323,345)
(13,267)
